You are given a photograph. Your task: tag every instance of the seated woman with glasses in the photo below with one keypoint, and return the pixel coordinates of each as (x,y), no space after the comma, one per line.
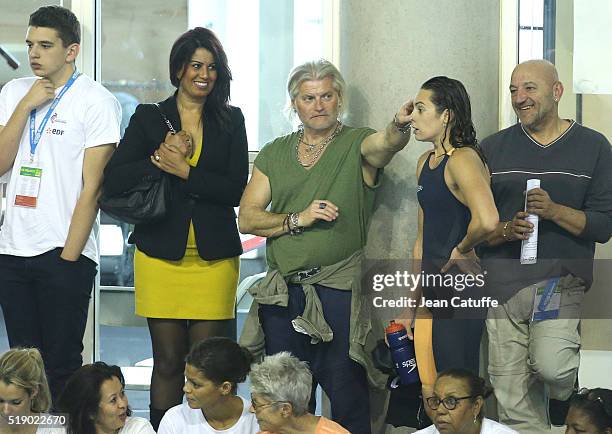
(280,391)
(590,412)
(213,369)
(456,405)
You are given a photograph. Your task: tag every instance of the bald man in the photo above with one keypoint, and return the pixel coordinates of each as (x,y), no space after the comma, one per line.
(534,358)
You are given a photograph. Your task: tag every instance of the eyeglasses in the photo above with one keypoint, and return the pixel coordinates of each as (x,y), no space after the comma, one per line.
(450,402)
(268,404)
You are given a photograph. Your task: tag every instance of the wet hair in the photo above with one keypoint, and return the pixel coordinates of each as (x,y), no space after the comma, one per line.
(315,70)
(596,404)
(217,102)
(61,20)
(221,359)
(81,396)
(24,368)
(282,377)
(476,385)
(450,94)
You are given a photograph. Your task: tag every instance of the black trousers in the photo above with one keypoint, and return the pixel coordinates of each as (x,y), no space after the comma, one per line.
(456,343)
(343,380)
(45,299)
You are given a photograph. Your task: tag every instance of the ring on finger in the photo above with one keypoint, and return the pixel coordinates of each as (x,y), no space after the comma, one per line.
(157,158)
(322,205)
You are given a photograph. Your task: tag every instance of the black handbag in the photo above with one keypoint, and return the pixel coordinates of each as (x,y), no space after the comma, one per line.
(146,202)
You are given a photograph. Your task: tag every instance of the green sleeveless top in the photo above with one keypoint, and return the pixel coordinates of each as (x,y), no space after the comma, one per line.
(336,177)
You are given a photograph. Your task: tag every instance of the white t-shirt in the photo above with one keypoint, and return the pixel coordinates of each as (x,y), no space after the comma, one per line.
(488,427)
(88,115)
(136,425)
(187,420)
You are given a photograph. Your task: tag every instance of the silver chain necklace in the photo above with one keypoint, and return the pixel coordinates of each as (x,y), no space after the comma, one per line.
(319,147)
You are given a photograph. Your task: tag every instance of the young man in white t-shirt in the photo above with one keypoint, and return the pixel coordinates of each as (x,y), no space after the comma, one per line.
(57,132)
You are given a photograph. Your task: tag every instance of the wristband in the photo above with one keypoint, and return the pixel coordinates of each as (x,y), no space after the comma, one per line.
(402,128)
(293,223)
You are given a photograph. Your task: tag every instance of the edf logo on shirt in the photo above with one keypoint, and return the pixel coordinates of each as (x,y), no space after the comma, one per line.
(54,131)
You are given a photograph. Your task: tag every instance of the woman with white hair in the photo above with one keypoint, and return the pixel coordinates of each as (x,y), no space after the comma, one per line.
(280,391)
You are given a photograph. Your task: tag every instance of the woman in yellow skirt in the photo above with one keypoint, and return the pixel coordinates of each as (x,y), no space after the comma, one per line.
(186,264)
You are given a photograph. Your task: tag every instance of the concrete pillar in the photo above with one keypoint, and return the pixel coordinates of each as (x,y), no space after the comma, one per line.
(388,48)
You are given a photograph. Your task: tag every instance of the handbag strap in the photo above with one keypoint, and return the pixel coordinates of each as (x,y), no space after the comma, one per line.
(166,120)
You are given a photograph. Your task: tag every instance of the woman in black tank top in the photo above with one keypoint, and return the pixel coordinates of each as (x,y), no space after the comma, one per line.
(456,213)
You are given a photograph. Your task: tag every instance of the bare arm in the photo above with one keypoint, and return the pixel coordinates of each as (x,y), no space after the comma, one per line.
(539,203)
(472,181)
(86,207)
(378,149)
(570,219)
(254,219)
(10,134)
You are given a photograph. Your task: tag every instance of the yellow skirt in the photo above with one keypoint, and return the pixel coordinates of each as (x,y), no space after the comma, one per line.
(190,288)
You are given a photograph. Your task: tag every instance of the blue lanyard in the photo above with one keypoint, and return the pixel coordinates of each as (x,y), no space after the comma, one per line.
(548,293)
(35,136)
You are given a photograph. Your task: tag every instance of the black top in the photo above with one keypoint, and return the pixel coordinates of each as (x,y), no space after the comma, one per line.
(207,197)
(445,219)
(445,223)
(576,171)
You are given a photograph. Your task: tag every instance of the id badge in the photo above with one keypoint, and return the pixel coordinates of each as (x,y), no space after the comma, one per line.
(547,300)
(28,185)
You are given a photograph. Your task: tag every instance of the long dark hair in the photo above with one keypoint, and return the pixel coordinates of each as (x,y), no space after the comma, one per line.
(221,359)
(81,396)
(217,103)
(476,385)
(597,404)
(450,94)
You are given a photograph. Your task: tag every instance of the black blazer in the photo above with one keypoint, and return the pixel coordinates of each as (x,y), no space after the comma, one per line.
(207,197)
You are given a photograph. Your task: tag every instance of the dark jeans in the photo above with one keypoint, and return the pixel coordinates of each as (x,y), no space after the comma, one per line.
(343,380)
(45,299)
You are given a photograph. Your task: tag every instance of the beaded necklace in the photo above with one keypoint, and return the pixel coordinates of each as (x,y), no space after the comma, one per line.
(318,148)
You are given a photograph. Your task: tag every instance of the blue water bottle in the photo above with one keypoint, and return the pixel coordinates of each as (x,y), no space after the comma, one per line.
(402,353)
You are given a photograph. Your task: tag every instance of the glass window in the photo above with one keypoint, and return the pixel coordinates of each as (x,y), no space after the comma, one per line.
(531,29)
(531,13)
(531,44)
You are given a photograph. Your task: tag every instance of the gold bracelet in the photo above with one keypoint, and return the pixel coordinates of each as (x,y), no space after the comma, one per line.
(504,229)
